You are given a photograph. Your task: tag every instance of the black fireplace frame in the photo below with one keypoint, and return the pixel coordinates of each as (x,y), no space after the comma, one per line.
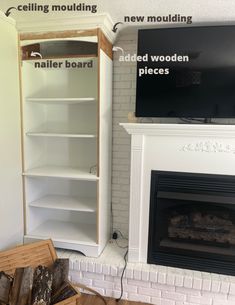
(224,265)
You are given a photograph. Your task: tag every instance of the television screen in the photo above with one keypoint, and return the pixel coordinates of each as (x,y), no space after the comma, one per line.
(186,72)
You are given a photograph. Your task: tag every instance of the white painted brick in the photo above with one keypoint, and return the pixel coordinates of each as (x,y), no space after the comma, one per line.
(170,279)
(153,276)
(118,280)
(91,267)
(139,298)
(188,282)
(95,276)
(163,287)
(158,301)
(232,289)
(84,281)
(179,280)
(76,277)
(116,294)
(103,284)
(173,296)
(109,278)
(83,266)
(197,283)
(106,269)
(145,275)
(100,290)
(213,295)
(127,288)
(76,265)
(215,286)
(199,300)
(206,284)
(139,283)
(137,274)
(188,291)
(161,278)
(122,84)
(225,287)
(149,292)
(220,302)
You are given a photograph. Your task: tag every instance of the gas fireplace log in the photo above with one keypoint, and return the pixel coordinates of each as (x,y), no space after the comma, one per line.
(5,286)
(60,271)
(42,286)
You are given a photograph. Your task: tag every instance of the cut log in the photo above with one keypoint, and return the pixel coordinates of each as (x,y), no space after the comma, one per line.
(5,286)
(22,286)
(42,286)
(66,291)
(26,287)
(16,286)
(60,273)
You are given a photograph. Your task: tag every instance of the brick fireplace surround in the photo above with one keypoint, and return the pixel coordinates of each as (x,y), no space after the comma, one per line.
(196,148)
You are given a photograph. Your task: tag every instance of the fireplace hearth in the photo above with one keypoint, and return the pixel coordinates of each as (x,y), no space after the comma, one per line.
(192,221)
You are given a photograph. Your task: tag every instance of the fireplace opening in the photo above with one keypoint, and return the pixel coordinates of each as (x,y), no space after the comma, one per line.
(192,221)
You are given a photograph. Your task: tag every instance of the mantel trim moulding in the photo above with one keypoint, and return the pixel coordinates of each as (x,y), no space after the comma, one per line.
(185,130)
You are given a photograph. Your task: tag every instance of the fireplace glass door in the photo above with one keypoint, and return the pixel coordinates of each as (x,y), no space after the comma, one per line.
(192,221)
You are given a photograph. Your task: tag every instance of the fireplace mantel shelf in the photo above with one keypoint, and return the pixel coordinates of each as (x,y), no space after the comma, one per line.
(195,130)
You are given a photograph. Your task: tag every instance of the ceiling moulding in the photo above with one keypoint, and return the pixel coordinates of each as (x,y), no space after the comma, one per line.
(8,19)
(102,21)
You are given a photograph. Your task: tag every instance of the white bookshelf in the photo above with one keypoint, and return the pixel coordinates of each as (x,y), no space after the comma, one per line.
(67,153)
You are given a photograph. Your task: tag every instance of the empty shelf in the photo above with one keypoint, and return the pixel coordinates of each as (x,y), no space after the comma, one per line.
(61,172)
(68,203)
(66,232)
(60,135)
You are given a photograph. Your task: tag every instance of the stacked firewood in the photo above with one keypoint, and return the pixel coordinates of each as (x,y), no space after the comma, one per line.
(39,286)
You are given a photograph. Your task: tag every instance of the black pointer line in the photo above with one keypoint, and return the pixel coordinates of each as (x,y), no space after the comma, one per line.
(8,12)
(115,26)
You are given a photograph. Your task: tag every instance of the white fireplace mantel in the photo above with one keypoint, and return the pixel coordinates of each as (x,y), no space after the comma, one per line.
(198,148)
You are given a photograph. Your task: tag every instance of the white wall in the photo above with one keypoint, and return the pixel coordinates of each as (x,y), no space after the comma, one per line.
(11,207)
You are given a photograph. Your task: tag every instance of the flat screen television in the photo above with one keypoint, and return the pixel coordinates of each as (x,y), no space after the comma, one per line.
(186,72)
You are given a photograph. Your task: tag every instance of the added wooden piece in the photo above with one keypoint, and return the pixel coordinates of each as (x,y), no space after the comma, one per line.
(58,34)
(22,286)
(66,291)
(60,272)
(42,286)
(105,44)
(5,286)
(27,50)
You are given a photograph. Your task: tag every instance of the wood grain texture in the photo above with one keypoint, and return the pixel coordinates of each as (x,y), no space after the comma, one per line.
(105,44)
(90,299)
(58,34)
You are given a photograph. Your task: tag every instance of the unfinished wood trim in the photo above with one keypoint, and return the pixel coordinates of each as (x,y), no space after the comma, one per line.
(59,34)
(98,144)
(22,134)
(105,44)
(60,57)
